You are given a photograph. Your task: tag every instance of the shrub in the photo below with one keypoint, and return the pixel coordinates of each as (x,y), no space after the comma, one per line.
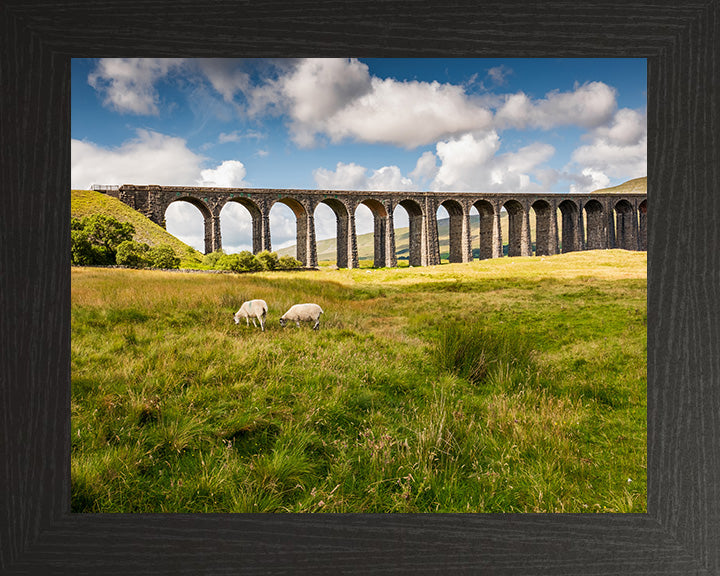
(268,260)
(210,259)
(133,254)
(163,256)
(288,262)
(248,261)
(241,262)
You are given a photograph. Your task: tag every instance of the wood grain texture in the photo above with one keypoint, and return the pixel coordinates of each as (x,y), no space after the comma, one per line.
(681,533)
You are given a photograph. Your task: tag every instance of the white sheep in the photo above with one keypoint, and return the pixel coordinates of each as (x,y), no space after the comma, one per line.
(302,313)
(250,310)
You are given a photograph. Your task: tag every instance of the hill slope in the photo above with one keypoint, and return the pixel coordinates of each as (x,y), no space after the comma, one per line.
(88,202)
(634,186)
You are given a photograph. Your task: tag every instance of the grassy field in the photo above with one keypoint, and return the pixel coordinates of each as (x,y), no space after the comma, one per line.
(511,385)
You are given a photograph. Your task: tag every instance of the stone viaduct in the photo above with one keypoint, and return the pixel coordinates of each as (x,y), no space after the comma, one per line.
(588,221)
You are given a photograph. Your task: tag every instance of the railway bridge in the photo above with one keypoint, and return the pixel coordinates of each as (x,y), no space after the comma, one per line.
(562,222)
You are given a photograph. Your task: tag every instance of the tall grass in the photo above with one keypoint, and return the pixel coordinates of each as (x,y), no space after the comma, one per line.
(513,386)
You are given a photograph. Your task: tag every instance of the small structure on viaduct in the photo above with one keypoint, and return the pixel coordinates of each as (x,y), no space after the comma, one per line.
(588,221)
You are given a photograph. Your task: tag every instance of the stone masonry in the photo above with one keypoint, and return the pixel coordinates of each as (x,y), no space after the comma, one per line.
(589,221)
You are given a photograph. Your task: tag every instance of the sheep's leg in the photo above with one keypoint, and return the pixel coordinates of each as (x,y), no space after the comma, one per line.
(262,323)
(247,321)
(255,325)
(317,325)
(297,323)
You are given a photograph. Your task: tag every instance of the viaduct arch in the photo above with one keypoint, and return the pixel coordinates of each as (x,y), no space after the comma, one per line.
(586,221)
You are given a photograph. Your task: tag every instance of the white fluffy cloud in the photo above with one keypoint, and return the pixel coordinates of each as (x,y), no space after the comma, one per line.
(344,177)
(426,169)
(129,83)
(225,75)
(468,163)
(473,163)
(616,150)
(408,114)
(588,181)
(339,99)
(588,106)
(150,158)
(354,177)
(628,127)
(230,174)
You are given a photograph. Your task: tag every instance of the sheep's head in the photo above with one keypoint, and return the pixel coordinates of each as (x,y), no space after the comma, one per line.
(283,322)
(236,318)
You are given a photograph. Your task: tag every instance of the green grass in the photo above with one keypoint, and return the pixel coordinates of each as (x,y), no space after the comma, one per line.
(511,385)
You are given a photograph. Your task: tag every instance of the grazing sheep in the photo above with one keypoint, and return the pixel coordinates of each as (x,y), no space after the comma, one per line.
(302,313)
(250,310)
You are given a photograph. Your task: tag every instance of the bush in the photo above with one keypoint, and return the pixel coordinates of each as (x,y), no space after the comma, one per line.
(211,258)
(95,239)
(133,254)
(248,261)
(163,256)
(241,262)
(288,262)
(268,260)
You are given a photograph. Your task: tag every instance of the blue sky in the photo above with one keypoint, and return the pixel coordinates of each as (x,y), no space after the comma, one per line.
(554,125)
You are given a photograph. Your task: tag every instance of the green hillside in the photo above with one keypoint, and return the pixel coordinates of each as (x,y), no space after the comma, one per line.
(635,186)
(88,202)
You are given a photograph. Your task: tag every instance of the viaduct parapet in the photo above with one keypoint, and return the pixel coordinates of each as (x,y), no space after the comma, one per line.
(588,221)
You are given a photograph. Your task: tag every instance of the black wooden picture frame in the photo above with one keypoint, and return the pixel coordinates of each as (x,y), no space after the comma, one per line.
(680,534)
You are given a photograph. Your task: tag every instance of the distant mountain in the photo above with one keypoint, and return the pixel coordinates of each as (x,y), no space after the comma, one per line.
(89,202)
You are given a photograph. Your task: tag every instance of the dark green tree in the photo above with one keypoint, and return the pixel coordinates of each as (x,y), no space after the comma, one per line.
(103,234)
(82,252)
